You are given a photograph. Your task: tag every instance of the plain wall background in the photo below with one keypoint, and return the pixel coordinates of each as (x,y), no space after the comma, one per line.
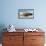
(9,13)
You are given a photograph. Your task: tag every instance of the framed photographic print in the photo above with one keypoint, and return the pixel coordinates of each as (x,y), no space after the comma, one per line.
(26,13)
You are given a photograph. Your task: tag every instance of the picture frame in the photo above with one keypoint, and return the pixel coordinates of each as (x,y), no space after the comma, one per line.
(25,13)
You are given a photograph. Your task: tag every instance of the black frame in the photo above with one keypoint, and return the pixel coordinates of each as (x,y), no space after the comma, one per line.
(25,10)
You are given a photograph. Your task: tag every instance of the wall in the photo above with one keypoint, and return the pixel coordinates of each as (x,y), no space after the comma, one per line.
(9,13)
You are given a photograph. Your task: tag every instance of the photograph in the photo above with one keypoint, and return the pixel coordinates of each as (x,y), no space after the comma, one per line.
(22,22)
(26,13)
